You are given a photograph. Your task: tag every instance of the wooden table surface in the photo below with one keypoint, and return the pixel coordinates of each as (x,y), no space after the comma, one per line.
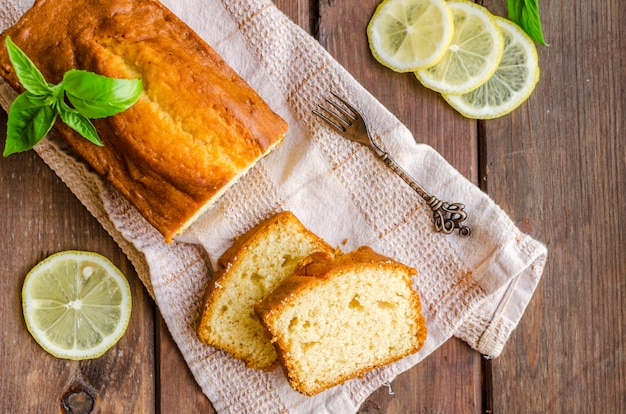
(557,165)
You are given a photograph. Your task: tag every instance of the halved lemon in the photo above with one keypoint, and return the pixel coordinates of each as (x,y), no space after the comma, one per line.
(407,35)
(511,84)
(76,304)
(472,57)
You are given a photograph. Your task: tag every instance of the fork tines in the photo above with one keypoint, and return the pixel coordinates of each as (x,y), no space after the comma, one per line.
(338,116)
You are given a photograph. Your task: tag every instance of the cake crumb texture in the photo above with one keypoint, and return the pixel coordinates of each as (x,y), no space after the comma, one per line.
(339,317)
(256,263)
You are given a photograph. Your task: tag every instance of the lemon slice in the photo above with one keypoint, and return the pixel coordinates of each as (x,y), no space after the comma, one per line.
(511,84)
(407,35)
(473,55)
(76,304)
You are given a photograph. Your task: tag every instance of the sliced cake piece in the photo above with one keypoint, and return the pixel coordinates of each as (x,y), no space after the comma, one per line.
(338,317)
(258,262)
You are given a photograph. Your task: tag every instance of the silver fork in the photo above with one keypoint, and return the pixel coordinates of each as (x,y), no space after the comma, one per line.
(345,119)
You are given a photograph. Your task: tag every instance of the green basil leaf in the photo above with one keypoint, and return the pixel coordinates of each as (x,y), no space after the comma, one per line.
(515,9)
(531,21)
(526,14)
(79,123)
(26,71)
(34,112)
(97,96)
(28,123)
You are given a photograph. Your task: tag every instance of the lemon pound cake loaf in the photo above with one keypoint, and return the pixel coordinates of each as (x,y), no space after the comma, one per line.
(258,262)
(337,318)
(196,128)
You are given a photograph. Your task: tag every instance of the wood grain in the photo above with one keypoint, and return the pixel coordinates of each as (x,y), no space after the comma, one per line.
(558,165)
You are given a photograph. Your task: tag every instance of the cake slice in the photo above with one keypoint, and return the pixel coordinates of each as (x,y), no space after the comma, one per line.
(339,317)
(258,262)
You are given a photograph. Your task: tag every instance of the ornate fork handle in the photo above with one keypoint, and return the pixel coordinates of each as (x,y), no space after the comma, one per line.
(447,216)
(350,124)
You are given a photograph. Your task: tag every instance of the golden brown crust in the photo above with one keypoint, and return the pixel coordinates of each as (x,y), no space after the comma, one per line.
(197,126)
(320,264)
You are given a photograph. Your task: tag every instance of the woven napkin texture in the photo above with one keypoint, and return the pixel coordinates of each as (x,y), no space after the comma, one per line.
(475,288)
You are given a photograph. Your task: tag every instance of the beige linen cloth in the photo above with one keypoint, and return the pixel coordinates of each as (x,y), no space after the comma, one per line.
(475,288)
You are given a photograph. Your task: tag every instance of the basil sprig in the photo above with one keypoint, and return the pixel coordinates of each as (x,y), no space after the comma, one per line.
(34,112)
(526,14)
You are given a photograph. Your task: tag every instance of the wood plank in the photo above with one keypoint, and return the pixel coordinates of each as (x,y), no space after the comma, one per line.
(450,379)
(557,165)
(40,216)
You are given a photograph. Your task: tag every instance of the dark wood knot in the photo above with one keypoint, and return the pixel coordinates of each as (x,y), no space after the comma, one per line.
(77,400)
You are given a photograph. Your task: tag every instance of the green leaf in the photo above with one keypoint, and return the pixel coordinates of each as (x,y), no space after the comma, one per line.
(97,96)
(34,112)
(526,14)
(28,123)
(26,71)
(515,9)
(79,123)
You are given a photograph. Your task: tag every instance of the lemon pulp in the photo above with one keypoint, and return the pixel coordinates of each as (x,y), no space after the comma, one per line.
(473,55)
(76,304)
(406,35)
